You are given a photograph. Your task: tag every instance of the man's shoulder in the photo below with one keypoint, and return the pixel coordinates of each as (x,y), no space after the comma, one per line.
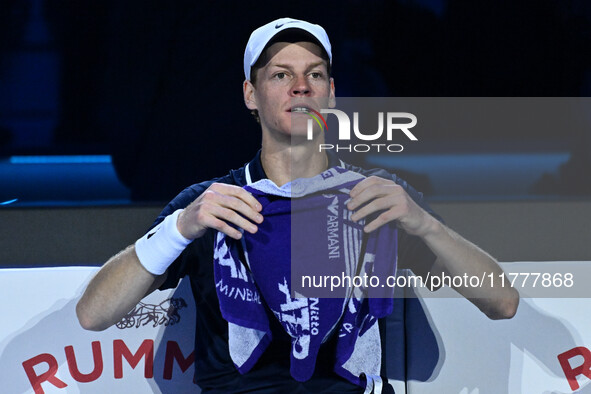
(382,173)
(184,198)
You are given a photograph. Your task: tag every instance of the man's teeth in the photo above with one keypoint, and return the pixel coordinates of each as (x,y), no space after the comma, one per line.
(300,109)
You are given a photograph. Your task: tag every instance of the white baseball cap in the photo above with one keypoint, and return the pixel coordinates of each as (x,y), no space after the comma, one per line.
(260,38)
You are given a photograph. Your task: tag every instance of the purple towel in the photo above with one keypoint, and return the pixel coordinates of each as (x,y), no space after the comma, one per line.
(307,221)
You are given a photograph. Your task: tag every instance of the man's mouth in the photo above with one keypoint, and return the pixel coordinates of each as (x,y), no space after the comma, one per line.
(304,110)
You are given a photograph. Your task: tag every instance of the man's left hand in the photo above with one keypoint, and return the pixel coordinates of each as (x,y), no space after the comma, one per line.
(375,194)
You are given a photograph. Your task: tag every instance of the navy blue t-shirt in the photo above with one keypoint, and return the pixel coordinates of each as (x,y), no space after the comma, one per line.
(214,369)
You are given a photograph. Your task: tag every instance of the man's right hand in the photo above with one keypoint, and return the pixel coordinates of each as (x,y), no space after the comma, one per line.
(218,207)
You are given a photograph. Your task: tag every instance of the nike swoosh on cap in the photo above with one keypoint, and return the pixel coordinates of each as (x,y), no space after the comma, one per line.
(277,26)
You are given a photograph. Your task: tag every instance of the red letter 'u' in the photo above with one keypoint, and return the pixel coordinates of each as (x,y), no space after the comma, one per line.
(97,355)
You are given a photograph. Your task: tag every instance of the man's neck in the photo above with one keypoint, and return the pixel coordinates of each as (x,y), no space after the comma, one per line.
(288,163)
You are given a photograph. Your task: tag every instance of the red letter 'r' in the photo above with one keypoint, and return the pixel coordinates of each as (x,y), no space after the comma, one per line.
(583,369)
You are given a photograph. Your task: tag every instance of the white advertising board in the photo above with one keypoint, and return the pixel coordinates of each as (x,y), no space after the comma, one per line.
(439,344)
(43,349)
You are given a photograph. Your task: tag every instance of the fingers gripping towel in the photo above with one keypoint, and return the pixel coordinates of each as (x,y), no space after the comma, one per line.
(307,227)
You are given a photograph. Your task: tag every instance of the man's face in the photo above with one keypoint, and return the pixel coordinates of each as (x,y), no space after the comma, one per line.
(295,77)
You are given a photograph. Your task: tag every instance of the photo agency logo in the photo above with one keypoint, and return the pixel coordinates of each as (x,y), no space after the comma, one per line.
(389,125)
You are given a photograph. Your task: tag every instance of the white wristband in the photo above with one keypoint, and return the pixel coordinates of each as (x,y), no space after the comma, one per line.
(161,245)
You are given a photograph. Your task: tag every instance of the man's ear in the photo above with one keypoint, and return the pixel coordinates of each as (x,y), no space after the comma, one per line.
(248,90)
(332,101)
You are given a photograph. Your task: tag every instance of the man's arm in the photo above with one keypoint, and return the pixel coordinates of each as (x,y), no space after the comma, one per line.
(119,285)
(124,280)
(456,256)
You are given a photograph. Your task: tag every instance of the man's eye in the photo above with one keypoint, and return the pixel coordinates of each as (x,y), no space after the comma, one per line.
(280,75)
(315,75)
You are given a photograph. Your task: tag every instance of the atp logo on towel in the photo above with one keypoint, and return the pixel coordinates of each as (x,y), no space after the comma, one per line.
(237,270)
(237,285)
(300,317)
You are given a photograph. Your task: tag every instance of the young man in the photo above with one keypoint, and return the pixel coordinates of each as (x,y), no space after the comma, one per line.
(287,68)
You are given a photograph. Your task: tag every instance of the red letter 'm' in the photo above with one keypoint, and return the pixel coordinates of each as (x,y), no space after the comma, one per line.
(173,352)
(120,350)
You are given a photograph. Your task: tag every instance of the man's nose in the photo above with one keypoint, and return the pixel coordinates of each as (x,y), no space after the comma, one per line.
(301,87)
